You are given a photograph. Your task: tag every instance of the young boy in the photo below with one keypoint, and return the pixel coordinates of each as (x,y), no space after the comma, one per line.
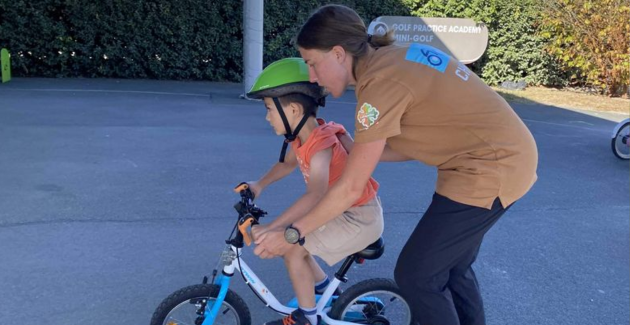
(291,102)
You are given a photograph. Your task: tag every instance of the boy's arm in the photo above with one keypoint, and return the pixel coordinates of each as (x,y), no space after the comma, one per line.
(277,172)
(338,198)
(315,189)
(388,155)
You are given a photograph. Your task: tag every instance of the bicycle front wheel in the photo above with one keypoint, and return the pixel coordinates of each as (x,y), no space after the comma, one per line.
(186,307)
(374,302)
(620,146)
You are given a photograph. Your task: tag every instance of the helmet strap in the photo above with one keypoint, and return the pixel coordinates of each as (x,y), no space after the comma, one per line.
(289,135)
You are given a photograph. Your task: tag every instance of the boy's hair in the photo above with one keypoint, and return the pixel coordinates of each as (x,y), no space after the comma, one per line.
(309,106)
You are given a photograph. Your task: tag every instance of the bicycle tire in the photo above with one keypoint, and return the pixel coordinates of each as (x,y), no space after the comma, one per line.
(352,297)
(615,143)
(191,295)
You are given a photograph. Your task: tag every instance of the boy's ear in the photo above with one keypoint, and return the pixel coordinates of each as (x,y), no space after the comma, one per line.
(296,109)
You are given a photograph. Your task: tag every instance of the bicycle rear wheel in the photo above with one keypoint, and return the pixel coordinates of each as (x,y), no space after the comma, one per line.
(186,307)
(373,301)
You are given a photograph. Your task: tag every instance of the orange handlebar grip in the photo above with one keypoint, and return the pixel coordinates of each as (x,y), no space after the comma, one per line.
(243,229)
(241,187)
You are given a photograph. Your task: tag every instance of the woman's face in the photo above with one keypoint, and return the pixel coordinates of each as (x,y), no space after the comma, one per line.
(331,70)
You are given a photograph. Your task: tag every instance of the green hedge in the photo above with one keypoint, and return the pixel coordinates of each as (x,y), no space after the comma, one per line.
(157,39)
(203,40)
(284,18)
(161,39)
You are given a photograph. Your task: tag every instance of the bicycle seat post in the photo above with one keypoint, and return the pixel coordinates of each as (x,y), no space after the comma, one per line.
(372,252)
(345,267)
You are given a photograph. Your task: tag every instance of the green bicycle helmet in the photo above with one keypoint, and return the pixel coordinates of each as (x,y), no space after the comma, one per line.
(285,77)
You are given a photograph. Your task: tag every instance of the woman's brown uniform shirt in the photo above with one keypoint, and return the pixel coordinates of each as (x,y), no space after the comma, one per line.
(433,109)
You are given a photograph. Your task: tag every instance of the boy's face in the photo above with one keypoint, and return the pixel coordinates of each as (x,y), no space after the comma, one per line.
(291,111)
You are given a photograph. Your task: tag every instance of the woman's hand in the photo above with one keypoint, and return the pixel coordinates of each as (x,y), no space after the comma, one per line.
(271,243)
(258,232)
(346,141)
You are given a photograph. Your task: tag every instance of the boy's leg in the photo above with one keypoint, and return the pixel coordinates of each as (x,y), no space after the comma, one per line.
(321,279)
(318,274)
(301,274)
(445,240)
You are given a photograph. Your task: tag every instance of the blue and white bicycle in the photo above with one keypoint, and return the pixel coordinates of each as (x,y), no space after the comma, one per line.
(374,301)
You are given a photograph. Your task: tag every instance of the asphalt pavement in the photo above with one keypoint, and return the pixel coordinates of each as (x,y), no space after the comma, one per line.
(115,193)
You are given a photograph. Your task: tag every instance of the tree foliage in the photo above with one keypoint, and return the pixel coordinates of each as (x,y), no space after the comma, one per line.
(591,38)
(203,40)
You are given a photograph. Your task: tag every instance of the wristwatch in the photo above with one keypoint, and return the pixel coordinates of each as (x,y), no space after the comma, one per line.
(292,236)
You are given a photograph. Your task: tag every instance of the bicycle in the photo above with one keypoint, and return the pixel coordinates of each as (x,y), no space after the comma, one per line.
(374,301)
(620,140)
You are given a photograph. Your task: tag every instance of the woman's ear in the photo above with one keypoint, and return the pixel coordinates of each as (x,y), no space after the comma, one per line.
(339,53)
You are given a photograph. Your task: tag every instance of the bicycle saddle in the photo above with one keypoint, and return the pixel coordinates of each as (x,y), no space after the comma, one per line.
(372,252)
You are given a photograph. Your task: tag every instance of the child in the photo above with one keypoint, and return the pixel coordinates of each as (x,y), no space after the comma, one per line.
(292,102)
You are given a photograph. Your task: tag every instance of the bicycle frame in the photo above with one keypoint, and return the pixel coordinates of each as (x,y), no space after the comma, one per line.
(234,263)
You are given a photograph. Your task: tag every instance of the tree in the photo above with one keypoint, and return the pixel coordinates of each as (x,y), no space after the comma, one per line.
(591,38)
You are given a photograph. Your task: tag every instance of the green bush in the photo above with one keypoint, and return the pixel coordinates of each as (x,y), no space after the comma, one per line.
(203,40)
(161,39)
(158,39)
(283,20)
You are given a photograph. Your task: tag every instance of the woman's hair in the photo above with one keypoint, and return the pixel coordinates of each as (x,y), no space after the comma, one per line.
(333,25)
(309,105)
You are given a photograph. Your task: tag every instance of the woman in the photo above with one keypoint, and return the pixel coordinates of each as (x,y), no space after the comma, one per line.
(417,103)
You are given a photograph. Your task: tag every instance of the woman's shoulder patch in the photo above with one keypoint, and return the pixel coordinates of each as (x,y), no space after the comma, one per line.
(367,115)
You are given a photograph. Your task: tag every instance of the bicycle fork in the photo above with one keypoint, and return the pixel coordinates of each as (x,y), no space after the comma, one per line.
(223,281)
(210,314)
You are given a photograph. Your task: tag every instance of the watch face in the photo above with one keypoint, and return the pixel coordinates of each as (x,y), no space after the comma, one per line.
(291,235)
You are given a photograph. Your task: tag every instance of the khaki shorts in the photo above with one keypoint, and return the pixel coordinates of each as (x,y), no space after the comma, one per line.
(347,234)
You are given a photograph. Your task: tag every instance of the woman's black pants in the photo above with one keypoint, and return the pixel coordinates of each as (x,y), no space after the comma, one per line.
(434,269)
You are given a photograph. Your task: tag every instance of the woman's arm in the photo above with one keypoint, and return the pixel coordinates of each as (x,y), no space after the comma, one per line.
(315,190)
(388,155)
(348,189)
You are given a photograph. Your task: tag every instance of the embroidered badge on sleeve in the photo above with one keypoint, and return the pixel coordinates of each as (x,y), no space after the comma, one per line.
(367,115)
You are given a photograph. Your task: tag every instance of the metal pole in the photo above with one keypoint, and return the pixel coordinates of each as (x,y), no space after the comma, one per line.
(253,14)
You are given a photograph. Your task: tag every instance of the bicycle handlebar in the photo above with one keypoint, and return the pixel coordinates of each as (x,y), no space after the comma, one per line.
(244,191)
(248,212)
